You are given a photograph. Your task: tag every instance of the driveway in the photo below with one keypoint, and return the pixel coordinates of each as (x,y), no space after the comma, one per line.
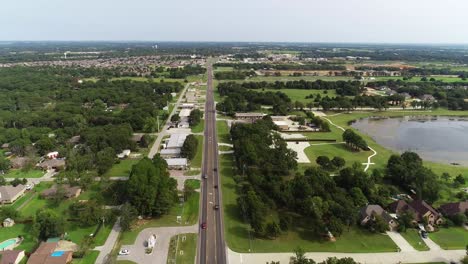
(400,241)
(431,244)
(159,255)
(109,245)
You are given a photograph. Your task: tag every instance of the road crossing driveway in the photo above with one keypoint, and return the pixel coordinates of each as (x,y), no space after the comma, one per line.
(159,255)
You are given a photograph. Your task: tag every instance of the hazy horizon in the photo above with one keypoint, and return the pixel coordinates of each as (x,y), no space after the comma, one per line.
(294,21)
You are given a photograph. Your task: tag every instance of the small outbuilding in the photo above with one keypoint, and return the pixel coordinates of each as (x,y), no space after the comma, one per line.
(8,222)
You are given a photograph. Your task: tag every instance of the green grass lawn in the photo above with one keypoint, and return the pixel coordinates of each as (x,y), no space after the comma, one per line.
(193,183)
(199,128)
(224,148)
(24,230)
(24,174)
(300,94)
(89,258)
(189,213)
(182,250)
(336,150)
(415,240)
(298,78)
(223,132)
(451,238)
(197,160)
(192,172)
(121,169)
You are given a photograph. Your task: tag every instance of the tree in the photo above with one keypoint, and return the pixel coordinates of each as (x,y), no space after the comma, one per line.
(446,176)
(104,160)
(88,214)
(175,118)
(189,148)
(127,216)
(151,125)
(324,162)
(44,145)
(379,225)
(5,165)
(48,224)
(2,181)
(273,230)
(459,180)
(300,257)
(338,162)
(195,117)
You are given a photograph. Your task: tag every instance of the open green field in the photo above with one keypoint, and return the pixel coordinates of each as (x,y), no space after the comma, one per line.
(24,230)
(188,211)
(336,150)
(412,236)
(300,94)
(197,160)
(182,250)
(298,78)
(199,128)
(24,174)
(223,132)
(239,239)
(417,79)
(220,69)
(195,184)
(451,238)
(121,169)
(89,258)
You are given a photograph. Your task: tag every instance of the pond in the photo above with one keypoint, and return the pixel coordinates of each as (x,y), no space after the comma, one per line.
(439,139)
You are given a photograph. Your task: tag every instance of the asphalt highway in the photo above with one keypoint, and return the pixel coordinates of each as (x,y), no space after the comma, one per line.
(211,246)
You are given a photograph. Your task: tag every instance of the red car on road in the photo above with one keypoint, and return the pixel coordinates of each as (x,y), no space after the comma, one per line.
(203,225)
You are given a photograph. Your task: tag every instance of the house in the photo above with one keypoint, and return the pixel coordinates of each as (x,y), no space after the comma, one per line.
(8,222)
(187,106)
(125,153)
(368,213)
(19,162)
(47,253)
(251,117)
(282,125)
(74,140)
(407,96)
(177,163)
(451,209)
(9,193)
(137,138)
(52,155)
(170,153)
(68,191)
(427,97)
(56,164)
(5,145)
(419,208)
(176,141)
(11,256)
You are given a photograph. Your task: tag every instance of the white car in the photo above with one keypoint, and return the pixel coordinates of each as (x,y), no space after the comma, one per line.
(124,252)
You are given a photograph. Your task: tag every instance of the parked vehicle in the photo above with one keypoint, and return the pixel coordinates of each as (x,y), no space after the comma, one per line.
(124,252)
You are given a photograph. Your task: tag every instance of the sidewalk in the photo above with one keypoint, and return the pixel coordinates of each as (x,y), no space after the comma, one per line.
(106,249)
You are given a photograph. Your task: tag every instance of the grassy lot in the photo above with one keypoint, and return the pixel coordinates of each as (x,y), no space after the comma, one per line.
(182,251)
(300,94)
(336,150)
(292,78)
(24,174)
(27,196)
(451,238)
(24,230)
(121,169)
(223,132)
(219,69)
(415,240)
(224,148)
(417,79)
(192,172)
(89,258)
(197,160)
(199,128)
(188,211)
(193,183)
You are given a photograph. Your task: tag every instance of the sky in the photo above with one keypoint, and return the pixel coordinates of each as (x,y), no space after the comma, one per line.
(362,21)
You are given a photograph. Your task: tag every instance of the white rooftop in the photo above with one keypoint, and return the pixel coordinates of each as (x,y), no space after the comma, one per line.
(177,162)
(185,112)
(176,140)
(170,151)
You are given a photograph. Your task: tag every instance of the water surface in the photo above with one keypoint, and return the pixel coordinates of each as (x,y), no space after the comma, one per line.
(438,139)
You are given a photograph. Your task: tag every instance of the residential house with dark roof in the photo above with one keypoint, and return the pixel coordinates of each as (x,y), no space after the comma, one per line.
(451,209)
(9,193)
(11,256)
(369,212)
(419,208)
(46,253)
(68,191)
